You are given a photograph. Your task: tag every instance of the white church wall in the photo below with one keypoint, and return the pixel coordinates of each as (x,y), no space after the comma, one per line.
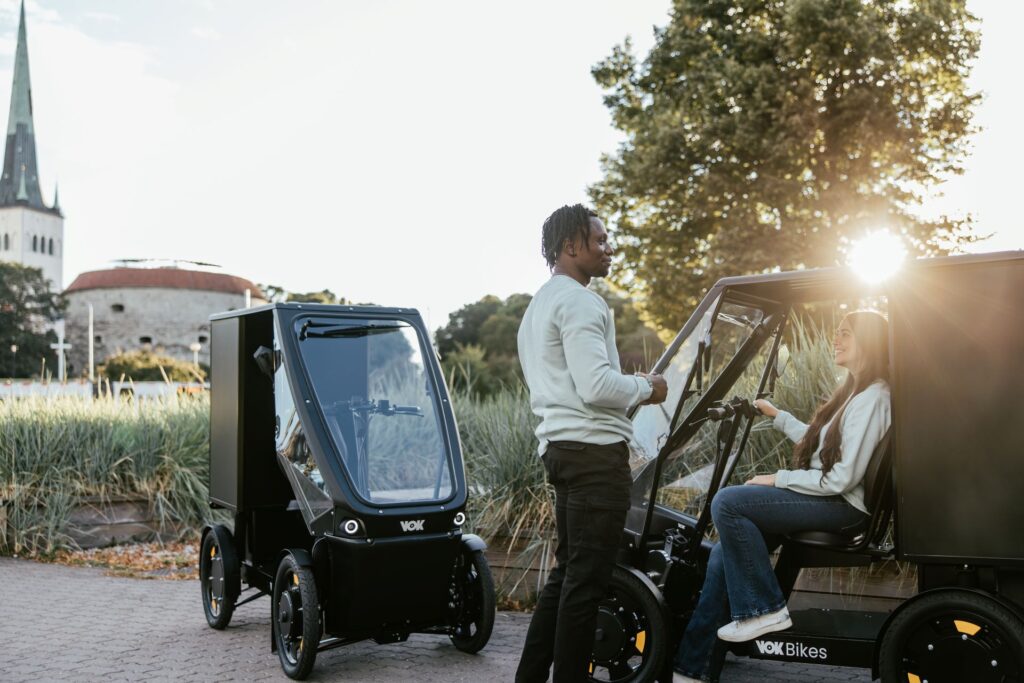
(21,225)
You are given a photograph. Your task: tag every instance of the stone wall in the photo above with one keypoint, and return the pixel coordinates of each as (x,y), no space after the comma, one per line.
(127,319)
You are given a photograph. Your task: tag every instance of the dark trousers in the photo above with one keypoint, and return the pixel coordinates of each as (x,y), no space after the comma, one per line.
(592,486)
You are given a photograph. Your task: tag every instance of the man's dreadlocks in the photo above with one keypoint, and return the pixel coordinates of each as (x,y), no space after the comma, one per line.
(562,227)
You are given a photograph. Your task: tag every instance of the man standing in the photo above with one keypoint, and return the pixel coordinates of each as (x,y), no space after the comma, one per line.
(567,350)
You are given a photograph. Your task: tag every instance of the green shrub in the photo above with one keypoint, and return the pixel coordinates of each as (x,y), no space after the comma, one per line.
(147,366)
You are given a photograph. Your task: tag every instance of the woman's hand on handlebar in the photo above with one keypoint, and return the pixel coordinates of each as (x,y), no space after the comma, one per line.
(765,408)
(762,479)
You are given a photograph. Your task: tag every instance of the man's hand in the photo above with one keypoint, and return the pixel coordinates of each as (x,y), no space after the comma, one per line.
(762,480)
(660,389)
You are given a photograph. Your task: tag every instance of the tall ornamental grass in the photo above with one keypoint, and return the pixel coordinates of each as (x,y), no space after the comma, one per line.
(54,451)
(509,494)
(808,381)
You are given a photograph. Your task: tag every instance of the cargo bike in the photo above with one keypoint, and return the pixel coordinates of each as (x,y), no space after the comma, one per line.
(945,487)
(334,448)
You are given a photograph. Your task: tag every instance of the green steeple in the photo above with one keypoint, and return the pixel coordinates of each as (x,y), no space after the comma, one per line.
(21,90)
(19,184)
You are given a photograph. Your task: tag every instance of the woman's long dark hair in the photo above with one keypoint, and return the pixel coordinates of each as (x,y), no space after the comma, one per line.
(871,331)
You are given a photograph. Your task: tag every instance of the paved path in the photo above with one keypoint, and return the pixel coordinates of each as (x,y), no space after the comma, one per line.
(61,623)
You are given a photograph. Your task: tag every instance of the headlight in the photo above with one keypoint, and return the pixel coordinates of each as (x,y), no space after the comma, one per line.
(460,518)
(350,527)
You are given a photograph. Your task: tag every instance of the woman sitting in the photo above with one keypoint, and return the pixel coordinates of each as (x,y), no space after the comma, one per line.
(741,599)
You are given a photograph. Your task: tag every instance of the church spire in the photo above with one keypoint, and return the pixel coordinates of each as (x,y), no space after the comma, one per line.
(21,90)
(20,181)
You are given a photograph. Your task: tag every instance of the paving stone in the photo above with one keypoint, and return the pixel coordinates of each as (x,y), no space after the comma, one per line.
(71,623)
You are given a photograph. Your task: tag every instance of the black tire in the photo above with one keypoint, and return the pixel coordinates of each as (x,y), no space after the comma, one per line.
(953,636)
(219,576)
(473,585)
(631,639)
(295,618)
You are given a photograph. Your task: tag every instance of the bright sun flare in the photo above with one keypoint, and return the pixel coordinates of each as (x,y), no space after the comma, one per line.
(877,255)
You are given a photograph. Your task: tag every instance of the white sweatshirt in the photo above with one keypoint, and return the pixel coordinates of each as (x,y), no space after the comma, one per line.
(567,350)
(864,423)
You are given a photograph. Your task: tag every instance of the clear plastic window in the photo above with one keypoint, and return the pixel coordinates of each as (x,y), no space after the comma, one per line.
(380,407)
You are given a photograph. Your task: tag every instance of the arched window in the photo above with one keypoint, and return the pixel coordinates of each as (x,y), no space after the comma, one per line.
(145,340)
(117,308)
(51,246)
(35,243)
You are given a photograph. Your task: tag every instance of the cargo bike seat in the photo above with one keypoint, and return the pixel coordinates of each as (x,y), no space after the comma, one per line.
(869,537)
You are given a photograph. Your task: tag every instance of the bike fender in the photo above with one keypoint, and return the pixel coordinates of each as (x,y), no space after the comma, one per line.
(472,542)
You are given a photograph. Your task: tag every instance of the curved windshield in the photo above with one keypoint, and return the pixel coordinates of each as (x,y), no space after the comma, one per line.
(652,424)
(698,361)
(379,405)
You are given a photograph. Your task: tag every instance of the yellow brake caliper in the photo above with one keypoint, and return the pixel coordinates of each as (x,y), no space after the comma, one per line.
(966,627)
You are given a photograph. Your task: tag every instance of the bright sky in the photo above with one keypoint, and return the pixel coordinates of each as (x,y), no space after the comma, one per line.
(393,151)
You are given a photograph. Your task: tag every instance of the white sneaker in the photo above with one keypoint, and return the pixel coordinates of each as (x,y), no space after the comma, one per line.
(680,678)
(747,629)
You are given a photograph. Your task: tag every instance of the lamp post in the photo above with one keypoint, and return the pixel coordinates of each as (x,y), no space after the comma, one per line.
(195,348)
(14,360)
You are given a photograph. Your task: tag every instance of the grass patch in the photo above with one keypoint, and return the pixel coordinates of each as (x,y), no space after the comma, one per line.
(56,450)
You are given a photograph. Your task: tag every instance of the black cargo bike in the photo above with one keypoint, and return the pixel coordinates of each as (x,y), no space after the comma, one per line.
(334,447)
(945,487)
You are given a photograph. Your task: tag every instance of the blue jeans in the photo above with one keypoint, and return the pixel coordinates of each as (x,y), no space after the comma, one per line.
(740,582)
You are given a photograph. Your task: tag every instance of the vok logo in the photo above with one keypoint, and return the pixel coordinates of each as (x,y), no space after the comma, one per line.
(412,524)
(777,648)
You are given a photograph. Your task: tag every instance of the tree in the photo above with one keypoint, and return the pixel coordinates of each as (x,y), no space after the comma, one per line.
(27,308)
(463,328)
(324,296)
(764,134)
(478,345)
(277,294)
(146,366)
(638,343)
(467,368)
(273,293)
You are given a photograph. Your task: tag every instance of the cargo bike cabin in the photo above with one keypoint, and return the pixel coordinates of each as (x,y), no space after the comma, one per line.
(945,487)
(334,449)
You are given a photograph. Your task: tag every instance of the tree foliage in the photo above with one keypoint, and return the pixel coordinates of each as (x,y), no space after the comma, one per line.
(27,308)
(276,294)
(478,345)
(638,343)
(324,296)
(765,134)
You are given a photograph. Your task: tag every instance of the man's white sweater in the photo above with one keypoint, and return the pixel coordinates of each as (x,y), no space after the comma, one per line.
(567,350)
